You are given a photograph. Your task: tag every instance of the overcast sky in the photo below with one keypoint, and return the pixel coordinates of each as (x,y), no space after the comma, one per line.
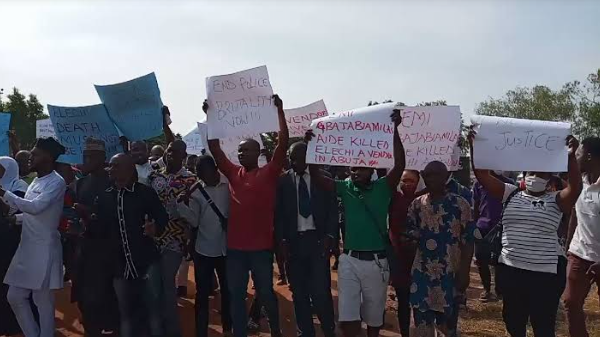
(346,52)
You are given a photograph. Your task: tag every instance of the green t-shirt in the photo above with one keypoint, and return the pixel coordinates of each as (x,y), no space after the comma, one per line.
(361,234)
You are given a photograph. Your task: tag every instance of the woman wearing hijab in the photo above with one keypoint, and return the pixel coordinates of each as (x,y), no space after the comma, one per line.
(9,239)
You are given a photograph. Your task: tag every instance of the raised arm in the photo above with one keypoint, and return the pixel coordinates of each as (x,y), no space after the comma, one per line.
(567,197)
(169,136)
(283,137)
(494,186)
(48,196)
(393,177)
(214,145)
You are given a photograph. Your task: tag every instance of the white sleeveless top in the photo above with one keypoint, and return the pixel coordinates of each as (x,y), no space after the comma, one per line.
(530,239)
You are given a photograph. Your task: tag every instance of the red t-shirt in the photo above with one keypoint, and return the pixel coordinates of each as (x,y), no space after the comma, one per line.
(252,207)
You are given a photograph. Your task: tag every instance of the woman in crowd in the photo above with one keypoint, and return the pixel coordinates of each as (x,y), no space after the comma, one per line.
(532,263)
(10,235)
(404,249)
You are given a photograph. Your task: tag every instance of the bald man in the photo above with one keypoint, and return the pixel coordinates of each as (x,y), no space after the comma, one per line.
(439,219)
(250,234)
(135,267)
(169,183)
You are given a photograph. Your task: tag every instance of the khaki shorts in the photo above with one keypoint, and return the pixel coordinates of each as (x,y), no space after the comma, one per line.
(362,290)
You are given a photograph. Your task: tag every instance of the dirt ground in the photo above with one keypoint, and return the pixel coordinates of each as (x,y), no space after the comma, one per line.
(482,320)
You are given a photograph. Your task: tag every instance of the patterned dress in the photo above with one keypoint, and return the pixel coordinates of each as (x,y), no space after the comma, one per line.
(441,226)
(169,187)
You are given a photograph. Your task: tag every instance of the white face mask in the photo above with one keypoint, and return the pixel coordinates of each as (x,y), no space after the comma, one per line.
(535,184)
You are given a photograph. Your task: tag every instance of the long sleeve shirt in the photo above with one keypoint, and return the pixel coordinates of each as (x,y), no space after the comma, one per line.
(124,211)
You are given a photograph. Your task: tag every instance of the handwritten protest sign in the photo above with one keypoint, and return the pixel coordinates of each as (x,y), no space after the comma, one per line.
(240,104)
(361,137)
(194,142)
(73,125)
(134,106)
(430,133)
(4,127)
(298,119)
(44,128)
(230,145)
(511,144)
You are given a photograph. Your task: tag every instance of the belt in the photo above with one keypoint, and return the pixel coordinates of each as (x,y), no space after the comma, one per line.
(366,255)
(307,232)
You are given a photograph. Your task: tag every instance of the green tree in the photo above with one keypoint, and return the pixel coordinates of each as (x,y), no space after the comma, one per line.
(574,102)
(588,118)
(25,112)
(539,102)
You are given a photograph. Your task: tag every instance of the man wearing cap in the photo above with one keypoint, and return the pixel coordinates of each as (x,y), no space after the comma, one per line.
(92,284)
(36,267)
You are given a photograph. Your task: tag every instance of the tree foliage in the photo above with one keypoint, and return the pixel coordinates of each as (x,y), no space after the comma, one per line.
(25,112)
(574,102)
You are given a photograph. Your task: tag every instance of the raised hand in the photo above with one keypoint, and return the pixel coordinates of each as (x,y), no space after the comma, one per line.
(396,116)
(277,101)
(205,106)
(308,136)
(573,144)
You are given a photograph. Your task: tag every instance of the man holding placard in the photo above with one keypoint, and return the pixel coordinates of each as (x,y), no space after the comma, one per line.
(250,226)
(364,269)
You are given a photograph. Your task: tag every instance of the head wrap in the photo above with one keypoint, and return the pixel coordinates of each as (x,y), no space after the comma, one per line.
(10,181)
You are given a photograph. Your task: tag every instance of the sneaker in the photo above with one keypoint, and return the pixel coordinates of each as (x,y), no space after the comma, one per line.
(252,326)
(181,291)
(487,296)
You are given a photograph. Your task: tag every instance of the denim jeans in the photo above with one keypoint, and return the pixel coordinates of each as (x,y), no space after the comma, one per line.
(204,268)
(239,265)
(169,265)
(143,292)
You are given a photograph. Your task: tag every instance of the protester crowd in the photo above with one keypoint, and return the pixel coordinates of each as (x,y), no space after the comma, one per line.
(122,229)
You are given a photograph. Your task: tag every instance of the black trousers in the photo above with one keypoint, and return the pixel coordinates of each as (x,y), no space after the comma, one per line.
(403,298)
(483,255)
(531,296)
(204,270)
(310,281)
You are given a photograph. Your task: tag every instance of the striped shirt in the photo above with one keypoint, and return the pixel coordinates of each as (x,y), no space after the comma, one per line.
(530,239)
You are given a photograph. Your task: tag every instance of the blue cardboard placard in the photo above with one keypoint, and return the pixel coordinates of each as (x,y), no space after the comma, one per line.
(4,127)
(73,125)
(134,106)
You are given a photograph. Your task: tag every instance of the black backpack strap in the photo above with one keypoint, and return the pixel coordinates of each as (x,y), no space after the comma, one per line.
(214,207)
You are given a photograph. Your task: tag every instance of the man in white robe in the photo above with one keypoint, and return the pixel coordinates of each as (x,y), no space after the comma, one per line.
(36,267)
